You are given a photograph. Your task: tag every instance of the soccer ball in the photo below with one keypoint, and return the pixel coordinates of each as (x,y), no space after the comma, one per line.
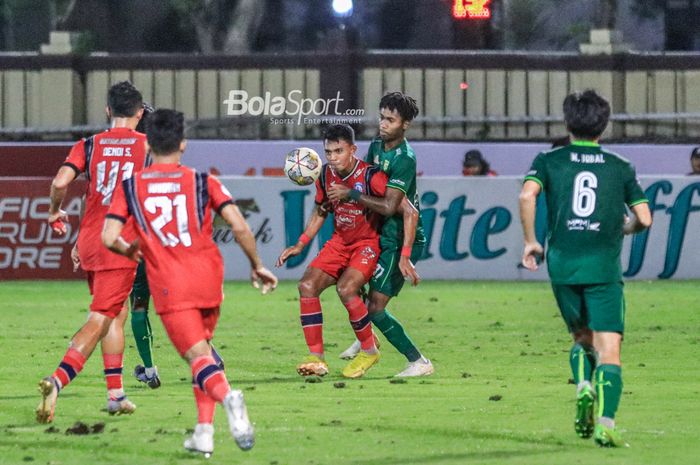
(303,166)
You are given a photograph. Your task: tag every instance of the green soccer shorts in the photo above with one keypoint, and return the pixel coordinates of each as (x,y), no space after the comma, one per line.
(599,307)
(387,277)
(140,289)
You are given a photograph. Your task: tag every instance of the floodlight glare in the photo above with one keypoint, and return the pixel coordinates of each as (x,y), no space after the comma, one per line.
(342,8)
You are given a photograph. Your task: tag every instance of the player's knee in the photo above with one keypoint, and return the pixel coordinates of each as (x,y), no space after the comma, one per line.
(346,291)
(583,337)
(307,288)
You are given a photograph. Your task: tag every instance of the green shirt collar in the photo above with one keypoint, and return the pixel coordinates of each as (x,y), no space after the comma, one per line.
(585,143)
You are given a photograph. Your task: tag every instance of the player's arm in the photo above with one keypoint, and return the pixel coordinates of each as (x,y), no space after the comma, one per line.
(528,200)
(640,220)
(112,239)
(410,221)
(389,205)
(59,188)
(246,240)
(318,217)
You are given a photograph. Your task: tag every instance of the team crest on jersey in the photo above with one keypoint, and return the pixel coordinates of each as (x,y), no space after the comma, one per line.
(386,165)
(358,187)
(398,151)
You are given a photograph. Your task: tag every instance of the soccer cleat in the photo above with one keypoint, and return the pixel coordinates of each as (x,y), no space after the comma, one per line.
(354,349)
(360,365)
(608,437)
(120,406)
(153,382)
(584,412)
(49,396)
(312,365)
(241,428)
(202,440)
(421,367)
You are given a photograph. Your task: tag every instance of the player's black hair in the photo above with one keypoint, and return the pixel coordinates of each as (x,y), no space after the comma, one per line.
(338,132)
(165,130)
(124,100)
(147,110)
(405,105)
(586,114)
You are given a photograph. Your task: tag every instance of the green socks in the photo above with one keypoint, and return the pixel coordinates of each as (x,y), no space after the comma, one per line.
(143,336)
(395,334)
(609,389)
(582,360)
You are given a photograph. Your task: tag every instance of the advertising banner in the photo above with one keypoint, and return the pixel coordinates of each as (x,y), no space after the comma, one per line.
(472,226)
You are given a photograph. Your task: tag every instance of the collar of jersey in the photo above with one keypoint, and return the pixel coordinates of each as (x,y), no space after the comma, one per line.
(165,166)
(585,143)
(354,168)
(394,149)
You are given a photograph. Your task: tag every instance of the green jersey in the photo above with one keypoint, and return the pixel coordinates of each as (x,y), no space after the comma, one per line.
(399,164)
(586,189)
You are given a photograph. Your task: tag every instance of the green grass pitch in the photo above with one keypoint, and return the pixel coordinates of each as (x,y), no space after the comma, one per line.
(499,395)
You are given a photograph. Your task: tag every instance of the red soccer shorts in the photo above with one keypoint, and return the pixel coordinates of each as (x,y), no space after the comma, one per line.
(110,289)
(335,257)
(185,328)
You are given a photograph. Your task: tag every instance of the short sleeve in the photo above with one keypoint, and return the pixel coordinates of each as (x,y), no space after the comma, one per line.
(118,207)
(634,194)
(219,196)
(321,196)
(403,173)
(76,158)
(377,183)
(538,171)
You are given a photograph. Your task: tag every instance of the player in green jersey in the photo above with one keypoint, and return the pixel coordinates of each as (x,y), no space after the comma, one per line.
(391,152)
(586,190)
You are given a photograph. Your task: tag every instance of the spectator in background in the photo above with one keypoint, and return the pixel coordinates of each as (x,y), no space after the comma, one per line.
(695,162)
(475,165)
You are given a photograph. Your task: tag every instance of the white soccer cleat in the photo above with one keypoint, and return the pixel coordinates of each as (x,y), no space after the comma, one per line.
(421,367)
(241,428)
(352,351)
(202,440)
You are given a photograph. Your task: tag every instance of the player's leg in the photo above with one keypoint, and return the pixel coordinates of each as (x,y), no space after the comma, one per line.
(607,314)
(572,306)
(190,330)
(80,348)
(348,289)
(311,285)
(109,289)
(141,328)
(113,358)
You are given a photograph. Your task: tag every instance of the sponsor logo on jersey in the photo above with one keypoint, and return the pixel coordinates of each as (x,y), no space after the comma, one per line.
(398,182)
(163,187)
(107,141)
(579,224)
(386,165)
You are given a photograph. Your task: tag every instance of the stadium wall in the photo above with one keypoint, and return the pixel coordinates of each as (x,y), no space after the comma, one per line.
(472,227)
(462,95)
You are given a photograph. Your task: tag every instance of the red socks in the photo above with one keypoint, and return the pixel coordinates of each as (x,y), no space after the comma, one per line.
(312,323)
(359,319)
(210,378)
(72,364)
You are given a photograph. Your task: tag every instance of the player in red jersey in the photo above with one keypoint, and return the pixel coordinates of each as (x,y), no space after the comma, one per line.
(172,207)
(106,159)
(349,258)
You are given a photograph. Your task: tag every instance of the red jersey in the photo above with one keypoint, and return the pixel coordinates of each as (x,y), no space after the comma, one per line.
(106,159)
(352,221)
(172,207)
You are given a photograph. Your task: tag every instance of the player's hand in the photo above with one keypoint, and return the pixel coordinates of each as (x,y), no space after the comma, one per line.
(133,251)
(56,221)
(532,254)
(408,270)
(75,257)
(338,192)
(289,252)
(263,279)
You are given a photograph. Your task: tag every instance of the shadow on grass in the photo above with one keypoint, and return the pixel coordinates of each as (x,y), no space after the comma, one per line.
(459,457)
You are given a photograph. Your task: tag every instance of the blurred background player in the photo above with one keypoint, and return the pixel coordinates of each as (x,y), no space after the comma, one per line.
(475,164)
(349,258)
(106,159)
(392,154)
(587,189)
(172,205)
(139,299)
(695,162)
